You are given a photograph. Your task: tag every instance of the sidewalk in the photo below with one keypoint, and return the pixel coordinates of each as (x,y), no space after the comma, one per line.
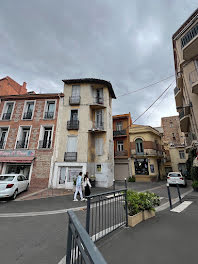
(168,238)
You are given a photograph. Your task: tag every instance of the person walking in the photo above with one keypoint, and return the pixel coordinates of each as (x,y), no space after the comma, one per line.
(78,187)
(87,185)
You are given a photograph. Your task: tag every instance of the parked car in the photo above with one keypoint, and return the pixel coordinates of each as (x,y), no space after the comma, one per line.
(176,178)
(12,184)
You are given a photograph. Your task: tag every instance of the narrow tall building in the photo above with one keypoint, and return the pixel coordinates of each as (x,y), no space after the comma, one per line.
(185,48)
(84,136)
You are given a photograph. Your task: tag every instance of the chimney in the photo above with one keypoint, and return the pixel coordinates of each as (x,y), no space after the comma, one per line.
(23,88)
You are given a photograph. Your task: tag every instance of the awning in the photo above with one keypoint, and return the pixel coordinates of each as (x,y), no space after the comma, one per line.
(17,159)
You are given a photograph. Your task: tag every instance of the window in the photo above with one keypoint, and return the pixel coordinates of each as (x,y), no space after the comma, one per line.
(28,110)
(173,134)
(98,168)
(3,137)
(141,166)
(120,146)
(45,138)
(8,110)
(98,96)
(72,144)
(75,90)
(99,124)
(23,137)
(181,154)
(74,115)
(99,146)
(118,126)
(139,146)
(171,124)
(49,110)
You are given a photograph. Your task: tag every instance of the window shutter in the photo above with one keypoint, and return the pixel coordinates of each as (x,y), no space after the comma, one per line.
(72,144)
(99,146)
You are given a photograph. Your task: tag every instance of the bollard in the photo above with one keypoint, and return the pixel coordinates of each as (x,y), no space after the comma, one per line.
(169,196)
(114,185)
(125,183)
(178,190)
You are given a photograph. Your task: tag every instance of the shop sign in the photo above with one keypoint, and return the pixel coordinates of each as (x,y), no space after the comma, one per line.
(17,153)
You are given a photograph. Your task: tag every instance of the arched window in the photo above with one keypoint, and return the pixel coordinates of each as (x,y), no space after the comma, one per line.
(139,146)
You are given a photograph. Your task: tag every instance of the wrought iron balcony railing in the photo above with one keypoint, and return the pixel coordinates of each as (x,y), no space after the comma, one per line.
(22,144)
(74,100)
(98,126)
(70,156)
(73,125)
(6,116)
(45,144)
(98,100)
(27,115)
(49,115)
(119,132)
(189,35)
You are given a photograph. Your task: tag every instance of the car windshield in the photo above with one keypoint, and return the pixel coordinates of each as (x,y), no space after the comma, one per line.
(174,175)
(6,178)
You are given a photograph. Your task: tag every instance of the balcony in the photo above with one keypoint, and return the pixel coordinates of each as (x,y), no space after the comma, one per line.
(2,144)
(27,115)
(178,96)
(98,103)
(49,115)
(118,133)
(146,153)
(190,139)
(70,156)
(44,144)
(179,80)
(193,78)
(73,125)
(119,154)
(21,144)
(6,116)
(189,43)
(97,127)
(184,119)
(74,100)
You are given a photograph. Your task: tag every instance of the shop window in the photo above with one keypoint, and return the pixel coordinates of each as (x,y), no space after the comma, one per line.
(120,146)
(118,126)
(141,166)
(3,137)
(45,137)
(139,146)
(181,154)
(23,137)
(18,169)
(28,110)
(49,110)
(8,108)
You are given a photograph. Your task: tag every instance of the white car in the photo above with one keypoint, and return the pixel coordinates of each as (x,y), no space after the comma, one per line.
(12,184)
(176,178)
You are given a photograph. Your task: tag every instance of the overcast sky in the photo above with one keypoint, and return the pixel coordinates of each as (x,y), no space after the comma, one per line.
(125,42)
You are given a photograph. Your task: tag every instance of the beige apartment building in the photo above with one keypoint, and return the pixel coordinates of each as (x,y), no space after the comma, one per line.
(84,136)
(185,47)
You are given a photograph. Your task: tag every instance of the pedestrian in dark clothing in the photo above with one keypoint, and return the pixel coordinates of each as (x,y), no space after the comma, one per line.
(87,185)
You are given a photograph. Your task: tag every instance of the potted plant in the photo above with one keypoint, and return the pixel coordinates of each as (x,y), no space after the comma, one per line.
(195,185)
(131,179)
(149,200)
(93,181)
(134,208)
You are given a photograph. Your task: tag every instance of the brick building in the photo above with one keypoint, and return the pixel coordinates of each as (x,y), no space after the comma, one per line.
(10,87)
(27,135)
(121,126)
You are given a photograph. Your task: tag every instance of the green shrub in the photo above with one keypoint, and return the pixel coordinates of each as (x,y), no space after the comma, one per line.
(131,179)
(195,184)
(194,173)
(141,201)
(74,181)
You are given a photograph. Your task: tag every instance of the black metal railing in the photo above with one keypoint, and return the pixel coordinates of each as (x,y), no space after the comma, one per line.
(74,100)
(80,248)
(189,35)
(98,100)
(6,116)
(106,212)
(45,144)
(21,144)
(27,115)
(98,126)
(176,90)
(2,144)
(49,115)
(70,156)
(119,132)
(73,125)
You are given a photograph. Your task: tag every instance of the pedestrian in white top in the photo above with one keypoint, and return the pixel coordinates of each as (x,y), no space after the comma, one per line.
(78,187)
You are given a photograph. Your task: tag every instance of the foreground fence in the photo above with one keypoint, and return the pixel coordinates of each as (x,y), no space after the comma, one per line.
(80,248)
(106,212)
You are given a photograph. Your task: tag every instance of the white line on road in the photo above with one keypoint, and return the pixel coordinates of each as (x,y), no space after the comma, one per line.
(181,207)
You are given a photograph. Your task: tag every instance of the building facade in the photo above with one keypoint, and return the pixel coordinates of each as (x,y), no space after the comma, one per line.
(122,153)
(10,87)
(185,48)
(27,134)
(84,136)
(147,153)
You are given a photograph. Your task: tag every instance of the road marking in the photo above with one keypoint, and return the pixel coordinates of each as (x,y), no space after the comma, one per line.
(181,207)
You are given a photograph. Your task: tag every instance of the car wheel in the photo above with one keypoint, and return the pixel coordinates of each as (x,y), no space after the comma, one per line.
(27,187)
(14,195)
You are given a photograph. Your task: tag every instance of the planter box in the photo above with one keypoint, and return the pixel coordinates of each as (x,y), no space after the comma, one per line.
(93,183)
(135,219)
(148,214)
